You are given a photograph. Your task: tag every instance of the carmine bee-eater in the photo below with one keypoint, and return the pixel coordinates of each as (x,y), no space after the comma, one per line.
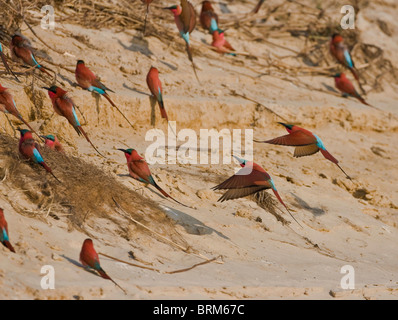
(53,143)
(155,86)
(208,18)
(340,52)
(30,149)
(185,19)
(21,49)
(89,81)
(89,259)
(4,59)
(258,6)
(8,105)
(64,106)
(139,170)
(347,88)
(147,3)
(251,179)
(4,235)
(306,143)
(221,43)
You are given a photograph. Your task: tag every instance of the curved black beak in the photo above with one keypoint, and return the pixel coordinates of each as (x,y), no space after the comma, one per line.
(46,88)
(124,150)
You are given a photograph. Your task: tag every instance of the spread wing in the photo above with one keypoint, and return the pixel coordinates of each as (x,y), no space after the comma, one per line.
(192,22)
(308,150)
(241,180)
(296,138)
(240,193)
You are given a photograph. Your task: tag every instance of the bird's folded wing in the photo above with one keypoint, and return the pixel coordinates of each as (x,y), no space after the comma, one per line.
(240,193)
(185,16)
(302,151)
(297,138)
(241,180)
(192,23)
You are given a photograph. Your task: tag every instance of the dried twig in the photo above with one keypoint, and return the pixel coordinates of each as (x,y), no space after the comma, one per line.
(157,270)
(194,266)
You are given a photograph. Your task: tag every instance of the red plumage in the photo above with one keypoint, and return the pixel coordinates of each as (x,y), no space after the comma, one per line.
(337,49)
(345,86)
(305,141)
(252,178)
(219,42)
(53,144)
(207,14)
(155,86)
(64,106)
(7,105)
(86,78)
(21,49)
(4,226)
(185,19)
(88,255)
(89,258)
(139,170)
(328,156)
(27,147)
(89,81)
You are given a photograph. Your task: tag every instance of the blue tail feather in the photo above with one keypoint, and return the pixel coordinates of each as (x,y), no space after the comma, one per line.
(98,90)
(37,156)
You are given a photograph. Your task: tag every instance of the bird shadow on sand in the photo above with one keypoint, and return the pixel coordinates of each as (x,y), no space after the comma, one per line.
(78,264)
(189,223)
(224,7)
(70,82)
(174,68)
(72,261)
(304,205)
(138,44)
(142,187)
(136,90)
(329,88)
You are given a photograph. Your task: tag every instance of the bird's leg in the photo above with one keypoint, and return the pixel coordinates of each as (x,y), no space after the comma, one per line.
(152,101)
(13,129)
(84,118)
(97,99)
(32,85)
(146,17)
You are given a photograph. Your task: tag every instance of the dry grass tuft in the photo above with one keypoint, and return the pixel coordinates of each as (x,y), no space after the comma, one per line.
(312,23)
(86,191)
